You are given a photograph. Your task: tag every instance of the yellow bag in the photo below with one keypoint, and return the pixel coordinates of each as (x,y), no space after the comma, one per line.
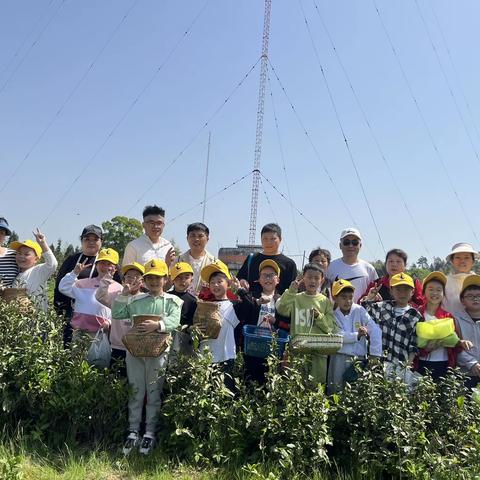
(435,329)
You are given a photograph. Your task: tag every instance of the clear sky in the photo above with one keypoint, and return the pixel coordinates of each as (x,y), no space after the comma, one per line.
(97,99)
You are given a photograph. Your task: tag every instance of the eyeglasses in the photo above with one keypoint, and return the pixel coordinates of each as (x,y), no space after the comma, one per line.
(472,297)
(346,242)
(268,276)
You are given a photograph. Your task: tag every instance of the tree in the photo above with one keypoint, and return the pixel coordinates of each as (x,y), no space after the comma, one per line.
(380,267)
(422,262)
(119,231)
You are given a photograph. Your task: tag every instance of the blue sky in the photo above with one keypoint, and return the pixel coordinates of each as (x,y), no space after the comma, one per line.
(47,47)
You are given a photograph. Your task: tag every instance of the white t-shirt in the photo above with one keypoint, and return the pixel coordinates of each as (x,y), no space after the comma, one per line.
(223,348)
(266,309)
(196,264)
(438,355)
(359,274)
(142,250)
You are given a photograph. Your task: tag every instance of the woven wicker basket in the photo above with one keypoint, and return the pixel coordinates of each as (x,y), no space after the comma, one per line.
(325,344)
(207,317)
(139,344)
(11,294)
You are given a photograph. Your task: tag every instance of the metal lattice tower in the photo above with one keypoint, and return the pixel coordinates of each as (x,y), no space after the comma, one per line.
(259,131)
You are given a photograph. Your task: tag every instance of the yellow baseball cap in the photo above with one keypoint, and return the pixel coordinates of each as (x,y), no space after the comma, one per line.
(133,266)
(471,280)
(269,263)
(438,276)
(401,279)
(216,266)
(27,243)
(179,268)
(340,285)
(108,255)
(156,267)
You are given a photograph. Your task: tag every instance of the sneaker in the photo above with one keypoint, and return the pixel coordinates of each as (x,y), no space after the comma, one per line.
(132,441)
(147,445)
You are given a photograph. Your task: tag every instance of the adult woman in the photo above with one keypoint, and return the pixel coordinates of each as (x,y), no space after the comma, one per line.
(462,257)
(8,265)
(395,262)
(91,239)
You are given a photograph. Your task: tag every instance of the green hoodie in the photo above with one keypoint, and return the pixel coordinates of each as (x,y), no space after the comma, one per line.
(298,306)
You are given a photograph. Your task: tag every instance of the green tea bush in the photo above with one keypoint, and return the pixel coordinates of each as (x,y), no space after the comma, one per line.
(50,393)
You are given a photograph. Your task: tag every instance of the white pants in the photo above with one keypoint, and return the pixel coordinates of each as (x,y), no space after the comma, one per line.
(146,376)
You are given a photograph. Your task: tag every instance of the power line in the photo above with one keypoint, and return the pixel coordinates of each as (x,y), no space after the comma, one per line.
(282,157)
(125,114)
(196,135)
(370,129)
(314,148)
(68,98)
(297,210)
(455,70)
(342,130)
(30,33)
(223,189)
(424,121)
(37,38)
(447,81)
(268,201)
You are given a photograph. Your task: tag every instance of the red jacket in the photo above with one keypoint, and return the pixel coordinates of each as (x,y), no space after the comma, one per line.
(417,300)
(451,352)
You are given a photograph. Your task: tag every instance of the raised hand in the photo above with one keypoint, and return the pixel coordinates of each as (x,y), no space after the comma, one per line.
(79,267)
(170,256)
(244,284)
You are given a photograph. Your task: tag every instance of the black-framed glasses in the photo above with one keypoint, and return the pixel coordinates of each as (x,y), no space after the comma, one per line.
(472,297)
(347,242)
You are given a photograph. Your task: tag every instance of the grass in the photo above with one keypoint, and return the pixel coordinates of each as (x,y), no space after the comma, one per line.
(19,461)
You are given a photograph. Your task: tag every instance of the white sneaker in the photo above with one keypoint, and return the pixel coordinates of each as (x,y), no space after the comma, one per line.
(132,441)
(146,446)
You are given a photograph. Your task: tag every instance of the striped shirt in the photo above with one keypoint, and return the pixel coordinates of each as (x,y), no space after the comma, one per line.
(8,267)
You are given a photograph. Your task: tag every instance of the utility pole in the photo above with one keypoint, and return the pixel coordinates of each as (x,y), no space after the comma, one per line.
(259,130)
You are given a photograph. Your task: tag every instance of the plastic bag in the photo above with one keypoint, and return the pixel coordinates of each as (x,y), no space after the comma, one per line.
(100,351)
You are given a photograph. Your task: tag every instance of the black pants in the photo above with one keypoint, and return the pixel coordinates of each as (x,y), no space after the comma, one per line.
(435,369)
(255,369)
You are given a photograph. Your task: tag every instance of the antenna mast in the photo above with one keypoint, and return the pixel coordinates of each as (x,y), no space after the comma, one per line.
(259,131)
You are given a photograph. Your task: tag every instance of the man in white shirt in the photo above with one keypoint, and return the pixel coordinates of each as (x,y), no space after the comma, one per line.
(349,267)
(150,245)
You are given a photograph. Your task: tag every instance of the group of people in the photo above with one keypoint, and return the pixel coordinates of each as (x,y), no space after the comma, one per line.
(395,318)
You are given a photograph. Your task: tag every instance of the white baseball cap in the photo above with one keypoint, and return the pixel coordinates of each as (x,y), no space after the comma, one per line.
(350,231)
(462,248)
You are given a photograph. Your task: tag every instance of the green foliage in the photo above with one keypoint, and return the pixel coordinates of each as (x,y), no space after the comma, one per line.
(10,468)
(51,393)
(119,231)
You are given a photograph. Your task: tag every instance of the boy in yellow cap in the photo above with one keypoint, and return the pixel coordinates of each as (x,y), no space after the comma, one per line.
(31,276)
(258,311)
(89,315)
(397,320)
(109,289)
(146,374)
(222,348)
(355,325)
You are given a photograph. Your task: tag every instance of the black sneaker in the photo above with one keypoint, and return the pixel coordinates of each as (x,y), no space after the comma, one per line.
(146,446)
(132,441)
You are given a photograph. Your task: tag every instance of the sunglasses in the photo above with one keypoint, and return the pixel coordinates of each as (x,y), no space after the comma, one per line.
(348,242)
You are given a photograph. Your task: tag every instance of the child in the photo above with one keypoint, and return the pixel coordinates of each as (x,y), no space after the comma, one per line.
(222,348)
(355,326)
(469,323)
(31,276)
(258,311)
(89,315)
(462,257)
(435,358)
(181,274)
(144,374)
(309,312)
(108,290)
(322,257)
(397,320)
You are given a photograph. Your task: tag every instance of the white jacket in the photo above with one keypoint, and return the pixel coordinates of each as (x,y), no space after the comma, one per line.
(349,325)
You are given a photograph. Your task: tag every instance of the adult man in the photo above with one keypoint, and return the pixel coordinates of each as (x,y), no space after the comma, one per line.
(150,245)
(197,255)
(349,267)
